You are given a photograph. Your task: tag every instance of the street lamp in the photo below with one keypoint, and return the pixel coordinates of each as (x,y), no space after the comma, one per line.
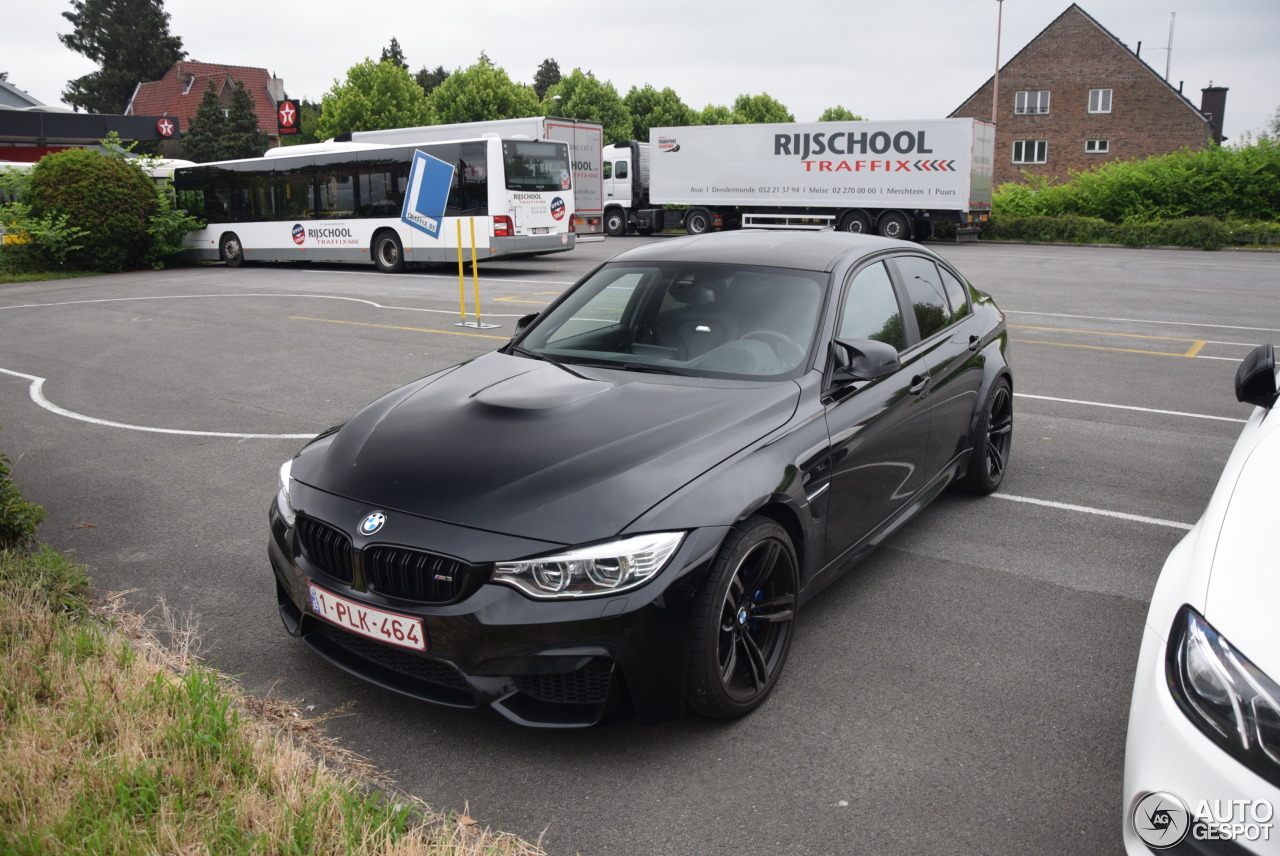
(995,90)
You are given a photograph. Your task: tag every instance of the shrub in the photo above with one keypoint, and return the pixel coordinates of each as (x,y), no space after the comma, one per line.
(18,518)
(106,197)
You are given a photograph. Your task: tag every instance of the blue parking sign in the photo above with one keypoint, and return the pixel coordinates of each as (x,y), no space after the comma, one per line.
(428,194)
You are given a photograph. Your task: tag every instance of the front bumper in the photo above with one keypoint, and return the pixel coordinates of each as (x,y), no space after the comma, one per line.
(570,663)
(1165,752)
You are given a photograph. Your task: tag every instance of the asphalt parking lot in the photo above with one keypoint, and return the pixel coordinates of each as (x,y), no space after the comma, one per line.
(965,689)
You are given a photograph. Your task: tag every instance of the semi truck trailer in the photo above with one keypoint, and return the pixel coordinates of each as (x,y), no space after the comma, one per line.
(892,178)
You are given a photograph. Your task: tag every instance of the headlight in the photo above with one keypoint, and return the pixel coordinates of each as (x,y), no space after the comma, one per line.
(1228,698)
(586,571)
(284,502)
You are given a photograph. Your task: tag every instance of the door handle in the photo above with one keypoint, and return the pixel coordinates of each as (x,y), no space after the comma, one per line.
(918,384)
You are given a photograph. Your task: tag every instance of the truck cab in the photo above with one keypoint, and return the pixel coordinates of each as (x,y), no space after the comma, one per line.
(626,185)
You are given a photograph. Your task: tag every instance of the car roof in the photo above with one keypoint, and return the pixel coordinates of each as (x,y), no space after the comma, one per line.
(796,250)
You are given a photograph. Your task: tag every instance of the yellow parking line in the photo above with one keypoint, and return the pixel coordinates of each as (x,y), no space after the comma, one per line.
(391,327)
(524,298)
(1196,344)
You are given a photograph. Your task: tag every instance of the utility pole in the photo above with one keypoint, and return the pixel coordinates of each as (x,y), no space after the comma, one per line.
(995,90)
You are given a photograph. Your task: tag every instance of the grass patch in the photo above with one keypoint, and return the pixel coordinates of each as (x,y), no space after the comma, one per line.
(113,741)
(7,277)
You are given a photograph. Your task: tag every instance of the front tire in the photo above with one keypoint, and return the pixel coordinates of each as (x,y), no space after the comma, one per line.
(992,442)
(388,253)
(230,250)
(615,223)
(743,622)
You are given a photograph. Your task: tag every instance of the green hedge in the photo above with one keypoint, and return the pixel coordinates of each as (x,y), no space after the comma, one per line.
(1205,233)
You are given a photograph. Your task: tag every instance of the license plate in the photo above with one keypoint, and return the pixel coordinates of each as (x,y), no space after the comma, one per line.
(390,627)
(540,230)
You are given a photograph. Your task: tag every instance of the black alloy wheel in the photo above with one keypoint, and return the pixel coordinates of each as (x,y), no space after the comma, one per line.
(744,623)
(992,442)
(230,250)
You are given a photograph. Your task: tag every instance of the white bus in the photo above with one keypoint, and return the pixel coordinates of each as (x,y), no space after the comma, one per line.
(392,205)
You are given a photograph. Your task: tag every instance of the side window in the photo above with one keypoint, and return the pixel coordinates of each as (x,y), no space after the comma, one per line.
(956,293)
(870,309)
(925,291)
(620,169)
(608,170)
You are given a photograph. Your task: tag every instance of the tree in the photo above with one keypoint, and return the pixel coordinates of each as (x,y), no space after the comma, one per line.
(548,75)
(129,40)
(429,79)
(839,114)
(756,109)
(392,53)
(244,139)
(374,96)
(584,97)
(715,114)
(479,92)
(650,108)
(202,141)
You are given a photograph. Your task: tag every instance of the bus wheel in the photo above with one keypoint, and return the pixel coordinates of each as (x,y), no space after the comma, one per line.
(698,221)
(388,254)
(855,221)
(895,225)
(615,223)
(230,251)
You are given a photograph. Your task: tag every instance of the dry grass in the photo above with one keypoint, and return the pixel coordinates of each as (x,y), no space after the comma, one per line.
(115,739)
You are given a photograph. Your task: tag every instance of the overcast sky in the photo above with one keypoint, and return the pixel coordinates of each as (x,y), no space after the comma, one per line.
(882,60)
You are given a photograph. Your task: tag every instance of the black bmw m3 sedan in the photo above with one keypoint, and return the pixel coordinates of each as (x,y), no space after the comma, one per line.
(624,510)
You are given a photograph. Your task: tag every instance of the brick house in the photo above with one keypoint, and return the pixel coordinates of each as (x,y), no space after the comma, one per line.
(1076,97)
(179,92)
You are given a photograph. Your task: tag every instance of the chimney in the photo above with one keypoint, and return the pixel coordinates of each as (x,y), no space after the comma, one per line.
(275,88)
(1213,104)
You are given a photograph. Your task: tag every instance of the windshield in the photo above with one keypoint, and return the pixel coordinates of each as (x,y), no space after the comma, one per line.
(536,166)
(703,320)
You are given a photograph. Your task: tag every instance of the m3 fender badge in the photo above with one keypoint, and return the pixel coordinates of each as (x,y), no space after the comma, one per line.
(372,523)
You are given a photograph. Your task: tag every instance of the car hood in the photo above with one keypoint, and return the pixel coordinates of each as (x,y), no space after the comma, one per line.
(530,448)
(1243,591)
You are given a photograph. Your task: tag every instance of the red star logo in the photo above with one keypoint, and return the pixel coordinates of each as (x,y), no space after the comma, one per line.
(165,128)
(287,113)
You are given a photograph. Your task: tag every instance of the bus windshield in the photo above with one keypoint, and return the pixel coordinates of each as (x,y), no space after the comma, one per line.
(535,166)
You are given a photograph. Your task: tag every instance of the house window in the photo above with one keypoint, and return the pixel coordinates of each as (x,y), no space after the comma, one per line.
(1030,151)
(1099,100)
(1031,101)
(1097,147)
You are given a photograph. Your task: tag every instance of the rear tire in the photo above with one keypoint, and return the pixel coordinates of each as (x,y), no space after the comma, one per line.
(230,250)
(857,222)
(992,442)
(743,621)
(698,221)
(388,253)
(894,225)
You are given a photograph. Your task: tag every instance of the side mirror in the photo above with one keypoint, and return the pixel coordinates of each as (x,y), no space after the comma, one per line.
(524,323)
(1256,377)
(865,359)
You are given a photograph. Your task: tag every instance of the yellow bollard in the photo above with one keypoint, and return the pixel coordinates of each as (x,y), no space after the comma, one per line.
(462,281)
(475,276)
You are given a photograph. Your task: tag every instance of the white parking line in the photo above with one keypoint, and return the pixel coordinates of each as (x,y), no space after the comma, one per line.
(37,395)
(1146,321)
(1101,512)
(1130,407)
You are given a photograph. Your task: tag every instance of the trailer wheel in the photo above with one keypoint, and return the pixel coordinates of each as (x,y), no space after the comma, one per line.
(855,221)
(895,225)
(388,254)
(615,223)
(698,221)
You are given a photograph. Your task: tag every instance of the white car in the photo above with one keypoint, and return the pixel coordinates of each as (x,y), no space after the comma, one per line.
(1202,760)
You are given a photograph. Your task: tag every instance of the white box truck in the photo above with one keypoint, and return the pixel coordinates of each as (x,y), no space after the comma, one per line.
(585,140)
(892,178)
